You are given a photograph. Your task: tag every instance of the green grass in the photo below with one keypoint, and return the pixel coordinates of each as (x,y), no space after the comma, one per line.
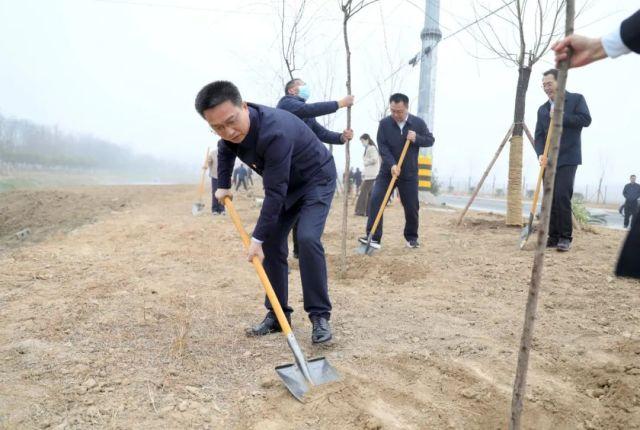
(8,184)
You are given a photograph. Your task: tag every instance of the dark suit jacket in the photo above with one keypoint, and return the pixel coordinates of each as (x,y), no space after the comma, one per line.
(576,116)
(631,191)
(308,111)
(629,260)
(630,32)
(391,141)
(285,152)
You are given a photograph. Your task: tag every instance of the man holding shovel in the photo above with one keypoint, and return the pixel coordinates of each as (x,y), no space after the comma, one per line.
(299,178)
(576,116)
(393,132)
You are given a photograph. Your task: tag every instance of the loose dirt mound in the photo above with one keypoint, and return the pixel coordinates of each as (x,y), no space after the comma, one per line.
(136,318)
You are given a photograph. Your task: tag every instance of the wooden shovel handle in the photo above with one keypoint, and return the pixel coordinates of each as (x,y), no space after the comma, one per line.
(273,299)
(389,189)
(201,187)
(534,204)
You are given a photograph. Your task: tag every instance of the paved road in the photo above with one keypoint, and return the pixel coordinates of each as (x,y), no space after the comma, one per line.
(613,218)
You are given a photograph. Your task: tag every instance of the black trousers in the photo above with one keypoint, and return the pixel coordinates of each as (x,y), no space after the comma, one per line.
(294,234)
(408,189)
(629,260)
(216,206)
(561,222)
(242,181)
(630,211)
(311,212)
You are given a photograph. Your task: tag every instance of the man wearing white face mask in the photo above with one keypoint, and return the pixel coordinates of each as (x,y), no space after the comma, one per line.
(297,93)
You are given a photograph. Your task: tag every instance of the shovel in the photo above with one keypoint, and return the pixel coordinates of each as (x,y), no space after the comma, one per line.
(198,206)
(367,249)
(528,228)
(301,376)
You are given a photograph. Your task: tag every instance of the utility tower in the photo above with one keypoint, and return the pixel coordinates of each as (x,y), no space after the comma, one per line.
(430,36)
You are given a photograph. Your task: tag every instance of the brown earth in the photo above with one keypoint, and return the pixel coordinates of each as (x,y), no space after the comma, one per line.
(122,310)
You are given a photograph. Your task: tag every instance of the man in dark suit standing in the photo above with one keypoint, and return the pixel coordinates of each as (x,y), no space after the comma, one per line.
(299,178)
(296,94)
(393,131)
(624,39)
(576,116)
(631,193)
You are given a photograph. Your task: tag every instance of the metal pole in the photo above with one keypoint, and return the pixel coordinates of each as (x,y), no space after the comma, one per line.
(430,37)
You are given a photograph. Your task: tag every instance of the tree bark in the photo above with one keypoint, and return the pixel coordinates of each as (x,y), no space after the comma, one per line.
(520,382)
(347,155)
(514,193)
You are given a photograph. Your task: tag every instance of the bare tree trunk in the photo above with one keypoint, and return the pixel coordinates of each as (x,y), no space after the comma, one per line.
(514,194)
(520,382)
(599,195)
(347,154)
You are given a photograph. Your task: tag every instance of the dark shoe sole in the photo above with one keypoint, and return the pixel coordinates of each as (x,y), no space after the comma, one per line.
(316,342)
(251,333)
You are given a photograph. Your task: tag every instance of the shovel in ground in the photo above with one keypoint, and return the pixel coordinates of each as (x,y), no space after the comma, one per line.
(198,206)
(528,228)
(367,248)
(301,376)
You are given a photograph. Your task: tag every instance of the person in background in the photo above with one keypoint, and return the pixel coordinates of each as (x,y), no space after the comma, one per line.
(393,131)
(631,193)
(240,175)
(576,117)
(250,176)
(357,179)
(217,208)
(371,160)
(296,94)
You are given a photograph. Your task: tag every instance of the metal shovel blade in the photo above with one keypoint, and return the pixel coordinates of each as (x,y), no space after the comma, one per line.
(197,208)
(524,235)
(320,370)
(526,232)
(366,248)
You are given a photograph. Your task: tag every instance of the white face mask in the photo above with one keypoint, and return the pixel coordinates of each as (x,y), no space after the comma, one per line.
(364,143)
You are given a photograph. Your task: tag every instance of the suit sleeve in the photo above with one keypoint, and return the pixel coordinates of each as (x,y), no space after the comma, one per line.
(630,32)
(326,136)
(275,179)
(580,117)
(308,110)
(625,192)
(424,138)
(383,147)
(540,135)
(226,160)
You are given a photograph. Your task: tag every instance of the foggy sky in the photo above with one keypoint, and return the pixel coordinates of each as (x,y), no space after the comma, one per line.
(129,73)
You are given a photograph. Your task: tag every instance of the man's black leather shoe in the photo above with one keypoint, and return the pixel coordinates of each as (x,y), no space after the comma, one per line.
(321,330)
(268,325)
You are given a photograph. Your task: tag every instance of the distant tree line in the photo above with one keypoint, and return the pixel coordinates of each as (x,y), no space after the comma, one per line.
(23,142)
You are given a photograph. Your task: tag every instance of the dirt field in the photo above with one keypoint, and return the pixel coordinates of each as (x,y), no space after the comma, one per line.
(122,310)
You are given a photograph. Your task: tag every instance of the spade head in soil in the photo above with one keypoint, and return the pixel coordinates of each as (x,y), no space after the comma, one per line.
(320,371)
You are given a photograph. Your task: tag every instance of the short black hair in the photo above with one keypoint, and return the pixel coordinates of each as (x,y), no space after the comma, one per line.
(290,85)
(216,93)
(399,97)
(553,72)
(633,176)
